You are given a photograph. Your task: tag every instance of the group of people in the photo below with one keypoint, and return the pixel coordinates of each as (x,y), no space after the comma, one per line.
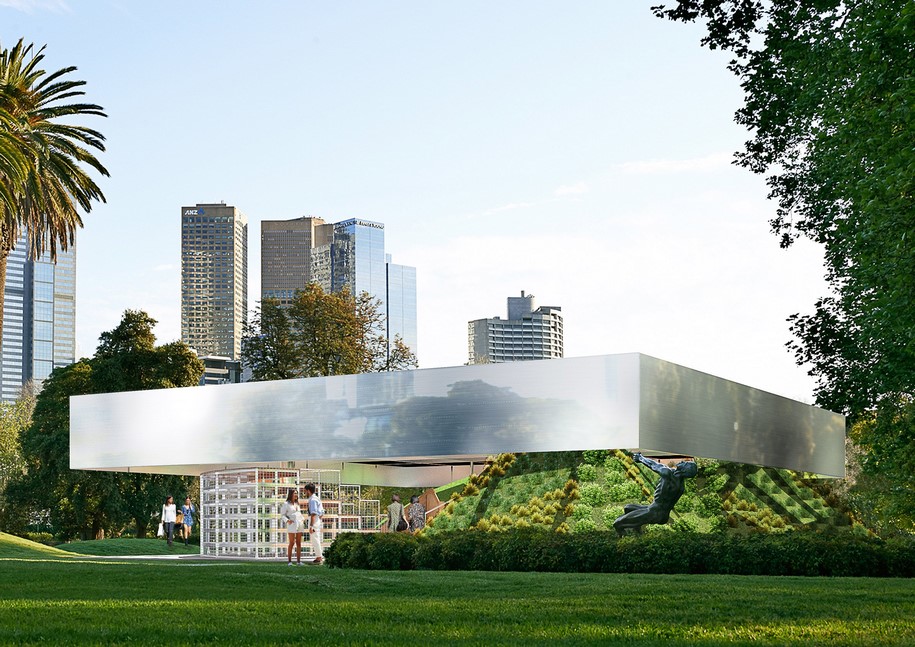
(172,517)
(291,513)
(409,519)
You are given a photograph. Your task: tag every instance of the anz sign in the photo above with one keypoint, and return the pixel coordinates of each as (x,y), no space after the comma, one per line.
(193,212)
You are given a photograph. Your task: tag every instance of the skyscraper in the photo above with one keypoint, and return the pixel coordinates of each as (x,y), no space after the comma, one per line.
(348,254)
(401,303)
(286,254)
(527,334)
(354,258)
(39,317)
(214,278)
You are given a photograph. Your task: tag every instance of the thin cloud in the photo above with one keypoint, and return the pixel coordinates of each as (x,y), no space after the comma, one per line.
(511,206)
(31,6)
(705,163)
(571,189)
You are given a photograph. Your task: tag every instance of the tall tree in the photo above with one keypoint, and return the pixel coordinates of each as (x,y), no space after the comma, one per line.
(43,178)
(14,418)
(319,334)
(829,94)
(89,504)
(829,88)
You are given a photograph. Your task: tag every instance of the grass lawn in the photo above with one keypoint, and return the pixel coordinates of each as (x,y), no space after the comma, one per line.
(45,598)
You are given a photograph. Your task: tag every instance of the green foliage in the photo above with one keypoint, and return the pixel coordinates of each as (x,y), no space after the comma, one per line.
(624,491)
(319,334)
(582,511)
(882,468)
(90,504)
(716,482)
(595,456)
(594,495)
(14,418)
(584,525)
(611,514)
(587,472)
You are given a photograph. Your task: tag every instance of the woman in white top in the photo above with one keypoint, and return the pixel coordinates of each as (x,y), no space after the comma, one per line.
(295,525)
(169,515)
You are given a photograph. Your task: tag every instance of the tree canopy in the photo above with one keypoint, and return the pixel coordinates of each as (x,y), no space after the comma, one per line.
(321,334)
(829,89)
(88,504)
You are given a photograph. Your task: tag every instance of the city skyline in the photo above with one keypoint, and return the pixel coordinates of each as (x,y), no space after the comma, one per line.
(583,149)
(350,255)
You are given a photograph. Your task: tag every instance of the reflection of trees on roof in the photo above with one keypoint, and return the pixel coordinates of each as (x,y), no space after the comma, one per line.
(474,415)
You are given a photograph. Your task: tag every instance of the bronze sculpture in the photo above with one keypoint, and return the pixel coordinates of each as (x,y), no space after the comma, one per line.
(668,491)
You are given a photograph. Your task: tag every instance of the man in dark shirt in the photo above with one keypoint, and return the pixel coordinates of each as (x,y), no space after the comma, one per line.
(668,491)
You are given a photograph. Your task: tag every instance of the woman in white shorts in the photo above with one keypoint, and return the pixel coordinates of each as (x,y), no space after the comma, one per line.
(295,525)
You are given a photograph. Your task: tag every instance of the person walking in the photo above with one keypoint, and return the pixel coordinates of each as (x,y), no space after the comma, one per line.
(290,512)
(397,522)
(188,510)
(315,523)
(416,513)
(169,514)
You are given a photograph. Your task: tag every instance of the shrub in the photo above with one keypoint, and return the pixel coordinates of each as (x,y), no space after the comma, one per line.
(581,511)
(611,514)
(685,504)
(584,525)
(708,505)
(595,456)
(615,478)
(624,491)
(659,551)
(594,495)
(685,524)
(715,483)
(587,472)
(613,464)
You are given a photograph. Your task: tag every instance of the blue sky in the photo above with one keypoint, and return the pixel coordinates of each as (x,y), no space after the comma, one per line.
(579,151)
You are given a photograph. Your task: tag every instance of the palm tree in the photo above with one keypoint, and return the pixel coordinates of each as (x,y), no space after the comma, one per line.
(43,181)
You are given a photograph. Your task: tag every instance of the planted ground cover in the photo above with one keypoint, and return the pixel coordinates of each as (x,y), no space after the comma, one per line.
(80,601)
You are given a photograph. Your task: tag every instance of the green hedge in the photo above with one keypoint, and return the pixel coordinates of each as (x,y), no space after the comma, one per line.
(532,549)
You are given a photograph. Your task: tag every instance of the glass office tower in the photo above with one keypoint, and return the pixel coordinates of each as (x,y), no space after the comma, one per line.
(39,318)
(401,304)
(214,278)
(354,258)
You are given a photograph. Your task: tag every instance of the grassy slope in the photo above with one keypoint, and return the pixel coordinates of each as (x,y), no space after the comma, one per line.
(17,548)
(13,547)
(126,547)
(231,603)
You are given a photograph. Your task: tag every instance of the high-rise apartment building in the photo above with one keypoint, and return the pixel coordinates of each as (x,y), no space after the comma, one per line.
(528,333)
(348,254)
(286,255)
(214,278)
(39,318)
